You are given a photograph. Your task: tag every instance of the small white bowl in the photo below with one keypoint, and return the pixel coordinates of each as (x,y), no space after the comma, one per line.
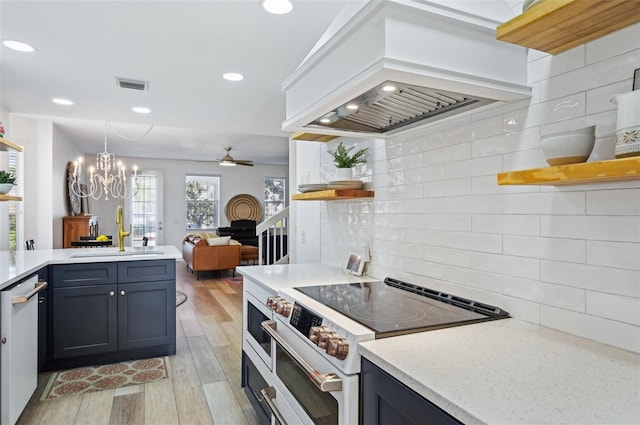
(568,147)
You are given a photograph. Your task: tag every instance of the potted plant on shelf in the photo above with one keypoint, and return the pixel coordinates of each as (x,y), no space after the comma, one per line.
(7,180)
(345,160)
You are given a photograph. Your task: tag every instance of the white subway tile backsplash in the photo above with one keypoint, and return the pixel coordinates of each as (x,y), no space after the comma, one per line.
(448,154)
(545,293)
(614,254)
(481,242)
(595,278)
(450,256)
(527,268)
(610,45)
(616,307)
(424,268)
(474,204)
(544,203)
(426,205)
(507,224)
(610,332)
(511,142)
(458,187)
(599,74)
(613,202)
(546,66)
(570,250)
(566,257)
(489,165)
(603,228)
(454,222)
(475,278)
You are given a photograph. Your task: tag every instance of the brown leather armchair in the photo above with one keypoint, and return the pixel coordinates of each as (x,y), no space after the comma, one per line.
(200,256)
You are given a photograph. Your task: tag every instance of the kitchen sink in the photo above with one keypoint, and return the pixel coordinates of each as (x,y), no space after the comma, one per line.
(101,252)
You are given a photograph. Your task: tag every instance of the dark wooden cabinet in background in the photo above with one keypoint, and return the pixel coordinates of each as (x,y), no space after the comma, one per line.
(103,309)
(73,227)
(385,400)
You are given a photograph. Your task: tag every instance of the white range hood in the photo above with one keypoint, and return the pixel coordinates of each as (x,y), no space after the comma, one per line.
(439,61)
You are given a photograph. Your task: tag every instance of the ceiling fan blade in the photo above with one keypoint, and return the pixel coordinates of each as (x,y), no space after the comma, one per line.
(247,163)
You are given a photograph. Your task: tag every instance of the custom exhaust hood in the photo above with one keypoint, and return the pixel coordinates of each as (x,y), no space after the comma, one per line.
(385,67)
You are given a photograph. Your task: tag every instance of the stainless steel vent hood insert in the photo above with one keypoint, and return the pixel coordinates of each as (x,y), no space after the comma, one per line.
(392,105)
(397,64)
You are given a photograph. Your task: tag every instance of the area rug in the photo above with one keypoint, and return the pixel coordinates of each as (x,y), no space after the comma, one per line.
(181,298)
(237,279)
(106,377)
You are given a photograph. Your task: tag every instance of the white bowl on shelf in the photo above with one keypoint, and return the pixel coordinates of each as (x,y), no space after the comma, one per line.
(568,147)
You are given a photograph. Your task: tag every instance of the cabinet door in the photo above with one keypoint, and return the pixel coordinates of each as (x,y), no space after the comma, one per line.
(146,314)
(385,400)
(43,318)
(84,320)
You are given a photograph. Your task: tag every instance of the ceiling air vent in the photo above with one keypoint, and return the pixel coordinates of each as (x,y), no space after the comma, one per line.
(127,83)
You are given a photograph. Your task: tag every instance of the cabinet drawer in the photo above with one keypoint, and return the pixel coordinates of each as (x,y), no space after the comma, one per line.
(66,275)
(146,271)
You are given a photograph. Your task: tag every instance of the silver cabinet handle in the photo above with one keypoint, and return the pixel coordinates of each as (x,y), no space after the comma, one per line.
(40,286)
(122,293)
(268,394)
(324,381)
(112,293)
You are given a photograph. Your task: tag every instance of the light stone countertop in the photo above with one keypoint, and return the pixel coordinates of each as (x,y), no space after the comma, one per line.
(15,266)
(279,276)
(513,372)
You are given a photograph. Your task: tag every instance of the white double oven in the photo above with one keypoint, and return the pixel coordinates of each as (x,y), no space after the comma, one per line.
(298,382)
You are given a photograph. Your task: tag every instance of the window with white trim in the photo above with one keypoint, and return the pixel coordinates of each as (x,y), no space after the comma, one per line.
(203,202)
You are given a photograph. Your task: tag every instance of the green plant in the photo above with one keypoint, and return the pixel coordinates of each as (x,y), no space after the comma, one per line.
(343,158)
(7,177)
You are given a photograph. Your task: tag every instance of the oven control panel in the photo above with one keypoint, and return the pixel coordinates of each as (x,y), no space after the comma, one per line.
(303,320)
(310,325)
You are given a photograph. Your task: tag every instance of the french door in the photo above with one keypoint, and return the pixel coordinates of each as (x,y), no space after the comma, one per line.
(146,210)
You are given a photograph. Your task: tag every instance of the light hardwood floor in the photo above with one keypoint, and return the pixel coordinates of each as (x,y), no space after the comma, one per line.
(205,385)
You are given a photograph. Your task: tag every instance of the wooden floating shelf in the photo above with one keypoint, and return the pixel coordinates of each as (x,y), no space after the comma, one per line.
(310,137)
(6,145)
(333,195)
(10,198)
(587,172)
(554,26)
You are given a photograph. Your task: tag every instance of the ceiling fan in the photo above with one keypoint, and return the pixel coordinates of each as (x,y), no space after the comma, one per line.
(228,161)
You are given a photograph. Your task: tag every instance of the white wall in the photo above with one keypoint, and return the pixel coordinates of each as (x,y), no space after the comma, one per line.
(36,137)
(563,257)
(234,181)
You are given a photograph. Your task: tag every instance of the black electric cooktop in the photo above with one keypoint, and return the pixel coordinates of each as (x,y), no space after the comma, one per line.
(394,307)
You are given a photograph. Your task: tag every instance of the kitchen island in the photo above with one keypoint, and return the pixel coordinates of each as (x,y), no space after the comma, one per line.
(15,266)
(66,308)
(498,372)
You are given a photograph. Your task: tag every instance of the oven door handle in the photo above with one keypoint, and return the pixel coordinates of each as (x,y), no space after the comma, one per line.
(324,381)
(268,394)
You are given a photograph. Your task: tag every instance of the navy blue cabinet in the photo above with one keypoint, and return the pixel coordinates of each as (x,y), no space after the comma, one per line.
(385,400)
(122,307)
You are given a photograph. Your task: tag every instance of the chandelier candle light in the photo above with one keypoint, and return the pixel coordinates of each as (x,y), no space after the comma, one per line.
(102,179)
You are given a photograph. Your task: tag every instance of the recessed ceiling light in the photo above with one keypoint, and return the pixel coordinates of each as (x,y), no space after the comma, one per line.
(389,88)
(233,76)
(277,7)
(19,46)
(352,106)
(65,102)
(141,110)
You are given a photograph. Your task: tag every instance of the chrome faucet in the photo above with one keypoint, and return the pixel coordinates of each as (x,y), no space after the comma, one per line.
(121,232)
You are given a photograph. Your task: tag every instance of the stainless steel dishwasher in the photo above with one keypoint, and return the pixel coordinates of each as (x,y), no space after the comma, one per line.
(19,338)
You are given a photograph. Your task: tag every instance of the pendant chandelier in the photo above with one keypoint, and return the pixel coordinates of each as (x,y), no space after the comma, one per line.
(108,177)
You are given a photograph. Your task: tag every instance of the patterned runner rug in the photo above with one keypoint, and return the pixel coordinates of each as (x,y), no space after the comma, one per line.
(106,377)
